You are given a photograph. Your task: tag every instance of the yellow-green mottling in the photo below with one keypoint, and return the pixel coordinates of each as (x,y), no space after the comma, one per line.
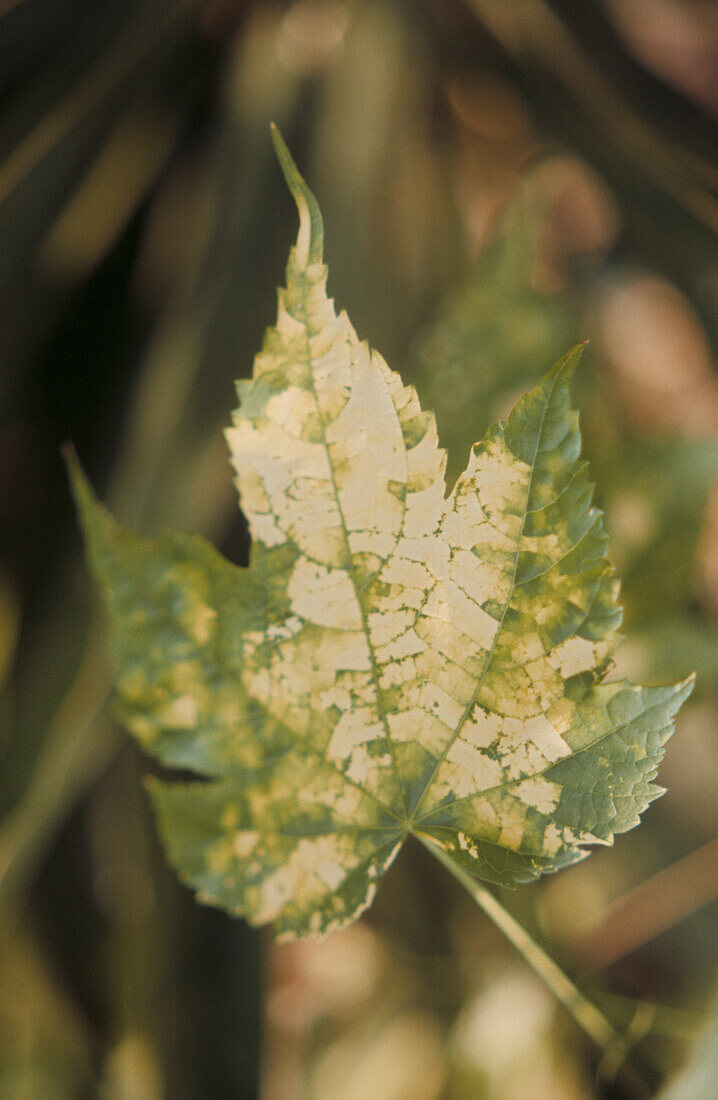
(392,661)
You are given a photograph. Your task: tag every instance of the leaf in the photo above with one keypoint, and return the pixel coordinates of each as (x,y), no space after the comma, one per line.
(492,338)
(665,483)
(392,661)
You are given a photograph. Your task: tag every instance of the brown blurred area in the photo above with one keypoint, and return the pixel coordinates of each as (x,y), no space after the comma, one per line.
(499,179)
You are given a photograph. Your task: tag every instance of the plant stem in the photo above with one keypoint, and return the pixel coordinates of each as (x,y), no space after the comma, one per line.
(583,1011)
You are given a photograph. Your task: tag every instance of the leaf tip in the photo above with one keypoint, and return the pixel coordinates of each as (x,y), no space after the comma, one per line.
(685,687)
(310,241)
(567,364)
(69,457)
(79,485)
(96,523)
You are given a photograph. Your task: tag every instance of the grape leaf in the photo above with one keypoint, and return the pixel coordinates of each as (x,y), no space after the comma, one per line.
(392,661)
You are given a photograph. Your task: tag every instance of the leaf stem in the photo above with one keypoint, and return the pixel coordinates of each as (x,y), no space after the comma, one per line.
(583,1011)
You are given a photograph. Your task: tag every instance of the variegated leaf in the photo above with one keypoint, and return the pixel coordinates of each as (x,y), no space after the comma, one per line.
(392,661)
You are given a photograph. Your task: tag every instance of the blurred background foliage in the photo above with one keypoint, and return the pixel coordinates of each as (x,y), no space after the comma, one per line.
(499,179)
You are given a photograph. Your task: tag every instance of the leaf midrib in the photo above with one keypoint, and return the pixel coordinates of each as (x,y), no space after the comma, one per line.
(355,585)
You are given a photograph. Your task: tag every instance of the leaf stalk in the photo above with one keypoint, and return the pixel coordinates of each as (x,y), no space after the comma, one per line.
(592,1021)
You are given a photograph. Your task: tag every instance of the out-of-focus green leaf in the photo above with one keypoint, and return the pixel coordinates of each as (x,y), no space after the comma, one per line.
(655,491)
(669,646)
(493,338)
(392,661)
